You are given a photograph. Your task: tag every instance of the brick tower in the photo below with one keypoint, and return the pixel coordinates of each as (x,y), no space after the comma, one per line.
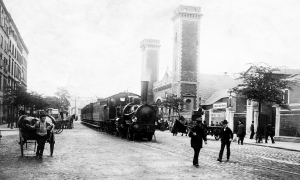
(150,60)
(185,82)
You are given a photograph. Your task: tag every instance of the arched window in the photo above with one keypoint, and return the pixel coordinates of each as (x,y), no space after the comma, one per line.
(188,104)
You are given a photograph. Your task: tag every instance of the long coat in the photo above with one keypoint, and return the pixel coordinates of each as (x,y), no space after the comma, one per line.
(241,130)
(226,134)
(197,140)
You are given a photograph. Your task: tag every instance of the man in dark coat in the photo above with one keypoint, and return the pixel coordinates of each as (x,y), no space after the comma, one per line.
(197,135)
(270,133)
(241,132)
(226,138)
(252,130)
(259,133)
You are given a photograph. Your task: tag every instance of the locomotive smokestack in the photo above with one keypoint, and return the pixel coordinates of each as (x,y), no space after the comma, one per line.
(144,91)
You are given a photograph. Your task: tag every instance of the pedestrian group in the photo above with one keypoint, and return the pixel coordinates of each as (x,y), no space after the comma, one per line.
(198,135)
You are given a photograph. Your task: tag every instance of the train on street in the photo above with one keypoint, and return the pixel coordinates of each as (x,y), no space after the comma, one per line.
(122,114)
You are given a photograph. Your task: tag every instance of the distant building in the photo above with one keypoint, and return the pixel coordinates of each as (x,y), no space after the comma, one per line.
(13,58)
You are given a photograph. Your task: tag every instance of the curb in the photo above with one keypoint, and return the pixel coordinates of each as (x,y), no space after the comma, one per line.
(257,144)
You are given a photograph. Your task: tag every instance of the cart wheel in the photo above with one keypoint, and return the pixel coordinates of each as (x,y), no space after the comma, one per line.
(21,146)
(217,134)
(52,142)
(58,129)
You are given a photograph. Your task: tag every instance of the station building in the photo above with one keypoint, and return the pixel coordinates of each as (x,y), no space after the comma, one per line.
(211,92)
(13,59)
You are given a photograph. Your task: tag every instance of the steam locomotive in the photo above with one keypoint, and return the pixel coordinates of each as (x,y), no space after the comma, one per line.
(122,114)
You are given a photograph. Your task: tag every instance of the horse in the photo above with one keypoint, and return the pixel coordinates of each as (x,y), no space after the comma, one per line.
(179,127)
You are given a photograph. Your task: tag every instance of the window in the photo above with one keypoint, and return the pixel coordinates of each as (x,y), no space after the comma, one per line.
(9,65)
(188,104)
(286,96)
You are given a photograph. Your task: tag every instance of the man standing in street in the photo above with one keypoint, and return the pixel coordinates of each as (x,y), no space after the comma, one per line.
(241,132)
(197,135)
(252,130)
(226,138)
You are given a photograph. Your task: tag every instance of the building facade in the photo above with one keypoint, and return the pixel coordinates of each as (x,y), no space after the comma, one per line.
(184,79)
(13,59)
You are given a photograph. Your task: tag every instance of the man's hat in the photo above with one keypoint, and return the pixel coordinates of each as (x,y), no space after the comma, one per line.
(225,121)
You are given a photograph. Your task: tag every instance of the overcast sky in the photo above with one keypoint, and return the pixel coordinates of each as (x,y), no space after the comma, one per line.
(92,47)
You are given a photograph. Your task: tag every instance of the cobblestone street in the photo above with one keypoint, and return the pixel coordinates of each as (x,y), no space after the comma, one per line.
(85,153)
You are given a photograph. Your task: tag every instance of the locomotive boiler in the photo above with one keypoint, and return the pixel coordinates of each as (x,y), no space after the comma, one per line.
(139,120)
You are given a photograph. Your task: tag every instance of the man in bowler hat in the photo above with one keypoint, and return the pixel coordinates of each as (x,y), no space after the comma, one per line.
(226,138)
(197,135)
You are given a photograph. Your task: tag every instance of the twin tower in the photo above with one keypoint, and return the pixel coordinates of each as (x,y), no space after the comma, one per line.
(184,80)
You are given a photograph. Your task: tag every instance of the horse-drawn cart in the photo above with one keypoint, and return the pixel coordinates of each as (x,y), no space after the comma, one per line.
(214,131)
(28,135)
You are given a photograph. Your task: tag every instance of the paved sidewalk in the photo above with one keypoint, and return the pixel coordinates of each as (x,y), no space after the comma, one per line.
(278,144)
(5,131)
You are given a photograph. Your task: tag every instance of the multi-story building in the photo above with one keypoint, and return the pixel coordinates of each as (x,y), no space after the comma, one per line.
(13,58)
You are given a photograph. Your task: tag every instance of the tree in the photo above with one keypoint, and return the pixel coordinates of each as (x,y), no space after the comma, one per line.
(63,96)
(38,101)
(53,101)
(17,96)
(174,103)
(264,86)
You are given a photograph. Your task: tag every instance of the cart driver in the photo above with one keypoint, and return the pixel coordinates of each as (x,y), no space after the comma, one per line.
(42,128)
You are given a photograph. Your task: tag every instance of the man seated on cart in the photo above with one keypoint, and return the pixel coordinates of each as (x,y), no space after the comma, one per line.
(43,131)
